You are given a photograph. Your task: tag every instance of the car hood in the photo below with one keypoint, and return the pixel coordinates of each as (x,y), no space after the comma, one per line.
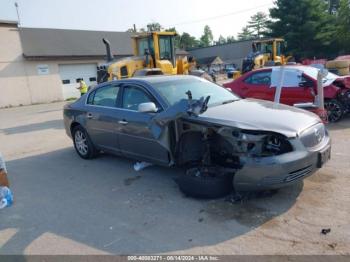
(255,114)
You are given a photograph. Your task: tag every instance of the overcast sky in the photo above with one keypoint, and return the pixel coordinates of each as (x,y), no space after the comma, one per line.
(225,17)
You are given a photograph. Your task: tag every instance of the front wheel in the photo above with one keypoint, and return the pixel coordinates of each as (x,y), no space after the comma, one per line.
(206,183)
(82,143)
(334,109)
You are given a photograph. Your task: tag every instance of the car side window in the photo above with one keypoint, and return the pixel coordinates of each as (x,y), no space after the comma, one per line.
(259,78)
(133,96)
(104,96)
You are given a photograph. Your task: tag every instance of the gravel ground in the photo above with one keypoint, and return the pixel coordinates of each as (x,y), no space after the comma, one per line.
(65,205)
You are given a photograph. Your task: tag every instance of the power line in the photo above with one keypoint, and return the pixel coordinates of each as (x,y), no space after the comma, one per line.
(220,16)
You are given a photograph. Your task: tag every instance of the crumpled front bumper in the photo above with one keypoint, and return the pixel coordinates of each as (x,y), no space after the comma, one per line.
(279,171)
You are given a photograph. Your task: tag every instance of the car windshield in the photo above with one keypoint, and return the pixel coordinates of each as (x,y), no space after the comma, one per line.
(175,90)
(313,71)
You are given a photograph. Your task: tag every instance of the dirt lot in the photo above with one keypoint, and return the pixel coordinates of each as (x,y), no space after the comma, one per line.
(65,205)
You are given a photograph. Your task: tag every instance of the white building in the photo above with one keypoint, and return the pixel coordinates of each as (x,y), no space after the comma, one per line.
(43,65)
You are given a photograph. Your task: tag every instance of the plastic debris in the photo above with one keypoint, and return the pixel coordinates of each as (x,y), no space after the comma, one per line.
(2,163)
(6,197)
(325,231)
(138,166)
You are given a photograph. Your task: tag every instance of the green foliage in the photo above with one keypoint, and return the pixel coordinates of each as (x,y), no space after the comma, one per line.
(245,34)
(221,40)
(207,37)
(230,39)
(258,24)
(343,27)
(306,25)
(187,41)
(154,27)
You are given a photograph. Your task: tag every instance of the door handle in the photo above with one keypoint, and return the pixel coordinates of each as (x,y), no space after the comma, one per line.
(89,115)
(122,122)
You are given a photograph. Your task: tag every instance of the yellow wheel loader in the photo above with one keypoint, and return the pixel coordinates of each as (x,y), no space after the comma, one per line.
(154,54)
(266,52)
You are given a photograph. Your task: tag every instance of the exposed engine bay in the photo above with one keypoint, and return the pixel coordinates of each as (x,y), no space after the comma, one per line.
(224,146)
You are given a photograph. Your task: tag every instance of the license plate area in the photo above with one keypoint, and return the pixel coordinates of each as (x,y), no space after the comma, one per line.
(323,156)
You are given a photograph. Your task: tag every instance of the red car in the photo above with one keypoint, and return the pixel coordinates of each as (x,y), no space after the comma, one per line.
(257,84)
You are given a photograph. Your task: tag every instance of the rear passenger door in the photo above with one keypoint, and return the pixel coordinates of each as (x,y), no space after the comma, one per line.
(134,135)
(102,117)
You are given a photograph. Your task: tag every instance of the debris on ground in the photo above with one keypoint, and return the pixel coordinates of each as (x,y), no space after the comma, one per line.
(3,173)
(6,197)
(138,166)
(325,231)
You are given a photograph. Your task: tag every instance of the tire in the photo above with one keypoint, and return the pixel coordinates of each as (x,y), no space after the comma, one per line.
(208,187)
(334,109)
(82,143)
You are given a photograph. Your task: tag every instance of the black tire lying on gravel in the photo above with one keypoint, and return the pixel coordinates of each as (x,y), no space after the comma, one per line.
(213,185)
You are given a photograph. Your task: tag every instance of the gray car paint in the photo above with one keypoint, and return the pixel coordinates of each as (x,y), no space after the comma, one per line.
(146,130)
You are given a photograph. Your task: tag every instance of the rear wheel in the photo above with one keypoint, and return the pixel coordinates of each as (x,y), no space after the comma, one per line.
(334,109)
(82,143)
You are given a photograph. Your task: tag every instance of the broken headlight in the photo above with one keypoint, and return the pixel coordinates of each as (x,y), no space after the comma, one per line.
(263,145)
(276,145)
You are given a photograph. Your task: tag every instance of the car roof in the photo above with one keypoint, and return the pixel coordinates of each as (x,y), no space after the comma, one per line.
(161,78)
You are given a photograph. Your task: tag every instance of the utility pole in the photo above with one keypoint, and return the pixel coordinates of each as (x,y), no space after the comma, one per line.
(19,21)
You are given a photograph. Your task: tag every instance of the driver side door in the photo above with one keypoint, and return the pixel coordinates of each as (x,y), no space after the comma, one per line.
(134,135)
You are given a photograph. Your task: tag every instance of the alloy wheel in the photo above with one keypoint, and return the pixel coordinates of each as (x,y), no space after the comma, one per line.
(334,110)
(81,142)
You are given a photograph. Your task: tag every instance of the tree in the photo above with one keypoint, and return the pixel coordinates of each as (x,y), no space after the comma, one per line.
(230,39)
(258,24)
(306,25)
(187,41)
(207,37)
(154,27)
(343,26)
(221,40)
(245,34)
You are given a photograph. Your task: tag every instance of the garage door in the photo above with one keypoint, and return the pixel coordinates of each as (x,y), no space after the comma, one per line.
(72,73)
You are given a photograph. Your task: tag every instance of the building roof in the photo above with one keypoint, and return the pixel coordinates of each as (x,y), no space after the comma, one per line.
(211,60)
(230,53)
(43,42)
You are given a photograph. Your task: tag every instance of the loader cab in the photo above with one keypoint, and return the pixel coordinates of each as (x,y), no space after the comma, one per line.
(273,48)
(158,49)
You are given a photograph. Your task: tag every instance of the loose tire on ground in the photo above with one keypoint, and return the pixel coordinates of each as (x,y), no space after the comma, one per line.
(208,187)
(82,143)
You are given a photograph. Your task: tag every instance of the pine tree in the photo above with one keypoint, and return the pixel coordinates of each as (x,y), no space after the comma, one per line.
(245,34)
(258,24)
(306,25)
(343,26)
(207,37)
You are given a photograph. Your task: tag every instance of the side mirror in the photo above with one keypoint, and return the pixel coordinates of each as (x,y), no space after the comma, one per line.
(306,84)
(148,107)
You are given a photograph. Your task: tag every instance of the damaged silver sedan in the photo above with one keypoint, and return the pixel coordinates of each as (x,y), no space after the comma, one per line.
(223,142)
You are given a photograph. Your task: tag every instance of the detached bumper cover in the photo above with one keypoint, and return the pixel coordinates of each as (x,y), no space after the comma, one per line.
(283,170)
